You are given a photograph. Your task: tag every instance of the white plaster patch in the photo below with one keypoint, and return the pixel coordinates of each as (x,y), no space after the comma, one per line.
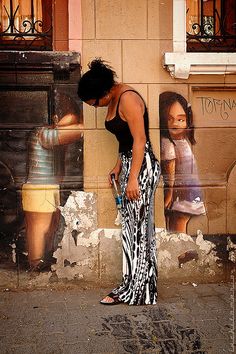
(80,252)
(83,221)
(110,233)
(81,236)
(164,237)
(82,197)
(231,247)
(204,245)
(170,246)
(93,240)
(180,237)
(69,204)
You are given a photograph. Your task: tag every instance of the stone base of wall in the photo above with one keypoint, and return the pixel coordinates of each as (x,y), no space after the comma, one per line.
(91,255)
(98,261)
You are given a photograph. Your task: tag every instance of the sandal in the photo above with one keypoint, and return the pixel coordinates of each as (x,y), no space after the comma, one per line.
(114,297)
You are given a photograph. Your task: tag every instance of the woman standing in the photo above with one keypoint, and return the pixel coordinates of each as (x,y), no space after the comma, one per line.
(139,173)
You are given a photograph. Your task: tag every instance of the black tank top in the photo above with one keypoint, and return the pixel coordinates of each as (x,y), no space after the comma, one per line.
(120,128)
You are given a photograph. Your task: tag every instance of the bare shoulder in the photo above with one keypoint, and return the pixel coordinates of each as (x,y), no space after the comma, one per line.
(131,98)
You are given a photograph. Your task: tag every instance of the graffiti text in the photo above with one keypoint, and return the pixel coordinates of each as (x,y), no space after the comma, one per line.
(222,107)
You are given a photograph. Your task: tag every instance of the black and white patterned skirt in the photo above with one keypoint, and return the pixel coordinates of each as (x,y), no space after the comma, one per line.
(139,285)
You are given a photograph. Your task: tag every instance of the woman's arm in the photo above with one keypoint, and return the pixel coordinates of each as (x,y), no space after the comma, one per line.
(168,172)
(131,109)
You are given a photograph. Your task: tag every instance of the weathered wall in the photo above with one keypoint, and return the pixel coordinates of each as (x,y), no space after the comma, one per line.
(134,45)
(88,254)
(132,36)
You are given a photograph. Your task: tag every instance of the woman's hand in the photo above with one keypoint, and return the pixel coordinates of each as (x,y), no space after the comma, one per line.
(116,171)
(132,189)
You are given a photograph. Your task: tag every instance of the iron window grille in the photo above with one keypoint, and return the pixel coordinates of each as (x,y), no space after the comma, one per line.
(26,25)
(211,26)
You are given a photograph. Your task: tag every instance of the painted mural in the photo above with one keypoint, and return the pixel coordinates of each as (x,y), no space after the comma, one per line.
(41,158)
(41,192)
(183,196)
(198,160)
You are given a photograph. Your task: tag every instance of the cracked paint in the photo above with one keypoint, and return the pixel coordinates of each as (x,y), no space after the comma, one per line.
(181,255)
(231,247)
(204,245)
(91,253)
(80,233)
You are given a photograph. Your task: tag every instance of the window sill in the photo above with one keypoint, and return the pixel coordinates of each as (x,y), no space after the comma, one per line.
(182,64)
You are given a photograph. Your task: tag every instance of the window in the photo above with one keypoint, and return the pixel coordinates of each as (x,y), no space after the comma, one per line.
(214,31)
(26,24)
(211,25)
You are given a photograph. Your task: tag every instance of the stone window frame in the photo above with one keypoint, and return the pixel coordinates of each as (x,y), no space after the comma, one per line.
(181,63)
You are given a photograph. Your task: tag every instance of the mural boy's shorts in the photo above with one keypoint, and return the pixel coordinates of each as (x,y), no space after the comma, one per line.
(40,198)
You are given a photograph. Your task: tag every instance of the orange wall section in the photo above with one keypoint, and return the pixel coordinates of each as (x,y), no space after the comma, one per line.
(67,25)
(75,25)
(60,25)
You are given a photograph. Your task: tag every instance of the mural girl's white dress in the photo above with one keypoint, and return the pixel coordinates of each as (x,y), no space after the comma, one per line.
(187,193)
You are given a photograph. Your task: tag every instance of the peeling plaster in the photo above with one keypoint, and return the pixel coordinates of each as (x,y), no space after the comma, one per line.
(79,250)
(164,237)
(81,235)
(171,248)
(231,247)
(80,212)
(88,252)
(110,233)
(204,245)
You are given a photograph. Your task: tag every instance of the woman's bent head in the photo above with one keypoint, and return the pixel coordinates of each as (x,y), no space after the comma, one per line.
(96,82)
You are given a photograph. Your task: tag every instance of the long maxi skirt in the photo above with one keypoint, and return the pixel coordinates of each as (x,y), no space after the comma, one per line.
(139,284)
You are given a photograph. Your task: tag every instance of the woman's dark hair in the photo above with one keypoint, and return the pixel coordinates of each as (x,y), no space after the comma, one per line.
(166,99)
(96,82)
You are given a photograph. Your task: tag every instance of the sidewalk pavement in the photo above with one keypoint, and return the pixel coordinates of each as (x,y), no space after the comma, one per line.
(188,318)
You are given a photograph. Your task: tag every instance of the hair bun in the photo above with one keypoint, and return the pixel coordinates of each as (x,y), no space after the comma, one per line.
(97,65)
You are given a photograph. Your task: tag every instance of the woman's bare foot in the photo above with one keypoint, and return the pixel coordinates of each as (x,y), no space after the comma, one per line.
(111,299)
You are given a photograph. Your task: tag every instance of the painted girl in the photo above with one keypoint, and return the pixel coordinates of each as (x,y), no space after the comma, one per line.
(41,192)
(182,193)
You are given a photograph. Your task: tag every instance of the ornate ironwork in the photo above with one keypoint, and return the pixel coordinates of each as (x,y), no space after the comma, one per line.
(216,32)
(29,35)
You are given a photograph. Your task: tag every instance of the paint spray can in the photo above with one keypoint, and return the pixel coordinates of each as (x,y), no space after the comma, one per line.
(116,192)
(118,199)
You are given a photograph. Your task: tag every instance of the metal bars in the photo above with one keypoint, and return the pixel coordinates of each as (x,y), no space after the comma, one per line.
(211,25)
(22,25)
